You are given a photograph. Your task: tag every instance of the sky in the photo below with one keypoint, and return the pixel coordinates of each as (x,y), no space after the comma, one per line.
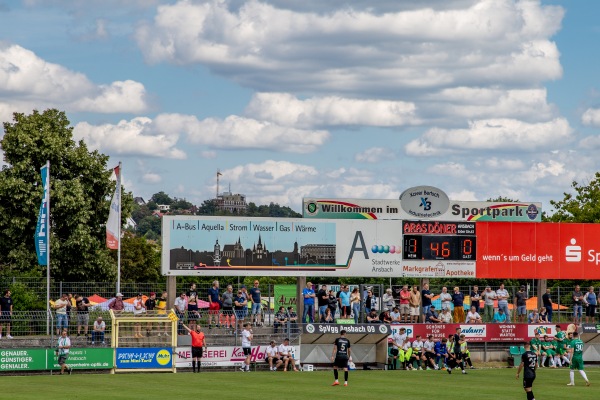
(321,99)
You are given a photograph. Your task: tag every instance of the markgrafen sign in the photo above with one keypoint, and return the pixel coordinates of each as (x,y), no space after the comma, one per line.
(393,209)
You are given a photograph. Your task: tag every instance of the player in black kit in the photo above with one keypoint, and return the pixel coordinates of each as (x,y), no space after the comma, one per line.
(528,363)
(340,357)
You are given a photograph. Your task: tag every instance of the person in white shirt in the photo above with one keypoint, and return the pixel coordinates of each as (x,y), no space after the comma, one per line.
(417,352)
(396,316)
(488,309)
(138,310)
(180,305)
(445,316)
(272,356)
(62,351)
(397,342)
(445,298)
(285,351)
(473,316)
(502,296)
(406,353)
(429,347)
(247,346)
(98,332)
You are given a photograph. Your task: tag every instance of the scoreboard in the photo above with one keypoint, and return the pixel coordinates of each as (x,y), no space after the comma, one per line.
(437,240)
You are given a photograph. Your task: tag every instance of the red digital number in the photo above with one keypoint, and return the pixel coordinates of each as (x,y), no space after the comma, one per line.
(439,249)
(467,246)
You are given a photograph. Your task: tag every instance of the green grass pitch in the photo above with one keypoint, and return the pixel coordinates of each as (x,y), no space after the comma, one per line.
(497,384)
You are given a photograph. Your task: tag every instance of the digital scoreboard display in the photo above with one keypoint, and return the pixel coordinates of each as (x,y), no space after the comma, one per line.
(437,240)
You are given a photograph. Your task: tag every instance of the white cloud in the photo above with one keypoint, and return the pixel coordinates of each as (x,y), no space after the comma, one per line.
(134,137)
(360,51)
(208,154)
(374,155)
(285,109)
(151,178)
(493,134)
(591,116)
(28,82)
(236,132)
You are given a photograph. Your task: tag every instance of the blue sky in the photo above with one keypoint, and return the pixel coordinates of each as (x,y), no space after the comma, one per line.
(481,98)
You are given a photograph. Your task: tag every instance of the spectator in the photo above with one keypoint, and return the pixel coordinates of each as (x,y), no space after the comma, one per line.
(432,316)
(473,316)
(591,301)
(6,309)
(213,304)
(322,301)
(309,303)
(396,316)
(83,314)
(227,299)
(499,316)
(533,317)
(240,307)
(502,296)
(547,302)
(272,356)
(355,304)
(458,300)
(150,305)
(161,311)
(445,316)
(256,304)
(116,304)
(388,299)
(577,297)
(445,298)
(180,305)
(520,303)
(138,310)
(373,318)
(345,302)
(405,304)
(488,300)
(475,298)
(384,317)
(328,319)
(332,302)
(192,308)
(370,302)
(426,297)
(62,320)
(98,331)
(64,347)
(543,315)
(281,320)
(414,302)
(293,319)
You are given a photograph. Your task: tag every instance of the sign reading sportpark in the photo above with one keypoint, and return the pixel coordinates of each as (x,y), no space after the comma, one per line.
(393,209)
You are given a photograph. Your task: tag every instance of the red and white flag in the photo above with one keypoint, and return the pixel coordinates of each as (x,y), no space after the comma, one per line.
(113,231)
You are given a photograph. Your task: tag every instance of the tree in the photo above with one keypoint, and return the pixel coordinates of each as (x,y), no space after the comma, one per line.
(80,199)
(140,260)
(161,198)
(583,206)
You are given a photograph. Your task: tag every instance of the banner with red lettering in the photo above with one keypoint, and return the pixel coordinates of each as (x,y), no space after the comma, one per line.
(225,356)
(479,332)
(522,250)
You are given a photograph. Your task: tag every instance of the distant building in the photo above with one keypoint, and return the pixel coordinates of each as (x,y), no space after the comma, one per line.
(164,207)
(139,201)
(233,203)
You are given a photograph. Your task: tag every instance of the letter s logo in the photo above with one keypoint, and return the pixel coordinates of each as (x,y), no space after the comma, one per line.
(573,252)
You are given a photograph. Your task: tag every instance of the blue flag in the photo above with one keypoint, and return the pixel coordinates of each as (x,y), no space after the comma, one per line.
(42,229)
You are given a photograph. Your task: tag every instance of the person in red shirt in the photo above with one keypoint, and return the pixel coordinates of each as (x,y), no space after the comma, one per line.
(198,346)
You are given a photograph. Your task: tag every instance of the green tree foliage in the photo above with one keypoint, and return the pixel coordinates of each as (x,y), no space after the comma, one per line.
(582,206)
(80,198)
(140,260)
(161,198)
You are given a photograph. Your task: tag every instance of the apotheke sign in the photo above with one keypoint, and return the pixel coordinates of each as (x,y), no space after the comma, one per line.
(424,202)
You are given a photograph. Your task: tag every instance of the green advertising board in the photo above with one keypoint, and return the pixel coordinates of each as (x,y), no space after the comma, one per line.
(285,296)
(22,360)
(85,358)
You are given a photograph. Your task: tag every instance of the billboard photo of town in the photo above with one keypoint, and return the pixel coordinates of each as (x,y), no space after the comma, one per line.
(208,244)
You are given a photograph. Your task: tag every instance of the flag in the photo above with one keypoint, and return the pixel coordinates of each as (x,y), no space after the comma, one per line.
(42,229)
(113,231)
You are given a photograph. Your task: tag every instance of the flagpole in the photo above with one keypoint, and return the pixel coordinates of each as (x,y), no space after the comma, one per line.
(48,252)
(119,229)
